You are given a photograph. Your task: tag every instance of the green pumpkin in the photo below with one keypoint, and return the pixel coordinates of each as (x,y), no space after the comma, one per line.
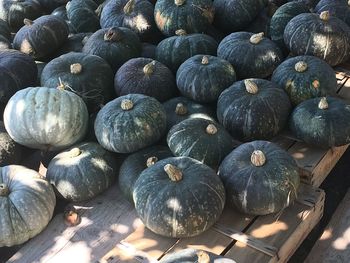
(130,123)
(194,16)
(203,78)
(201,139)
(175,50)
(305,77)
(260,178)
(82,171)
(179,197)
(50,5)
(89,76)
(27,202)
(134,165)
(81,13)
(62,12)
(338,8)
(251,55)
(253,109)
(323,36)
(322,122)
(10,151)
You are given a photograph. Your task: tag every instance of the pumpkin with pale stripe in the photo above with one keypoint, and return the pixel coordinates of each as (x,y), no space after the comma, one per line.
(338,8)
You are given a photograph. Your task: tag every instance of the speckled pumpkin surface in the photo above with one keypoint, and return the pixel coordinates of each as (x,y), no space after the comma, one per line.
(82,15)
(338,8)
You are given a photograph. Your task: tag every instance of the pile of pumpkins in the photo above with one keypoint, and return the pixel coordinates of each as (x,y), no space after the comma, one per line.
(189,92)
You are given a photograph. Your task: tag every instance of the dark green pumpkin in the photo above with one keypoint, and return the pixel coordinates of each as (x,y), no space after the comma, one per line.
(145,76)
(49,5)
(203,78)
(89,76)
(181,108)
(42,37)
(130,123)
(323,36)
(62,12)
(173,51)
(338,8)
(194,16)
(5,30)
(74,43)
(253,109)
(201,139)
(280,20)
(323,122)
(10,152)
(260,178)
(134,165)
(261,23)
(251,55)
(82,15)
(179,197)
(82,171)
(116,45)
(305,77)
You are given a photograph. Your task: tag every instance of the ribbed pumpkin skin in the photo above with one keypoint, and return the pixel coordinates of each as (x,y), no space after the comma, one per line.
(175,50)
(179,209)
(190,138)
(193,110)
(17,71)
(82,171)
(204,82)
(43,37)
(234,15)
(126,131)
(259,190)
(29,207)
(323,128)
(338,8)
(134,165)
(115,52)
(82,15)
(253,116)
(194,16)
(307,34)
(250,60)
(46,118)
(131,78)
(318,79)
(94,83)
(280,20)
(10,152)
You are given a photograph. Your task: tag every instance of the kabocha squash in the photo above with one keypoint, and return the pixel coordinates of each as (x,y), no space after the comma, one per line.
(234,15)
(41,37)
(81,13)
(82,171)
(134,165)
(260,178)
(323,122)
(253,109)
(116,45)
(49,5)
(10,152)
(194,16)
(27,202)
(145,76)
(62,12)
(89,76)
(179,197)
(251,55)
(130,123)
(280,20)
(305,77)
(201,139)
(323,36)
(181,108)
(338,8)
(261,22)
(203,78)
(46,118)
(173,51)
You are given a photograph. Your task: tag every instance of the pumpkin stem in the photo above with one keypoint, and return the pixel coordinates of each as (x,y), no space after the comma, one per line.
(301,66)
(129,7)
(203,257)
(151,161)
(316,84)
(205,60)
(71,216)
(181,109)
(4,191)
(180,32)
(28,22)
(323,104)
(61,86)
(76,68)
(251,86)
(258,158)
(324,16)
(256,38)
(173,172)
(211,129)
(85,39)
(98,10)
(179,2)
(74,152)
(126,104)
(148,69)
(113,34)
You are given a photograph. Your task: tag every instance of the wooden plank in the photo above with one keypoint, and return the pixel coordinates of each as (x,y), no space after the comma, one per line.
(334,244)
